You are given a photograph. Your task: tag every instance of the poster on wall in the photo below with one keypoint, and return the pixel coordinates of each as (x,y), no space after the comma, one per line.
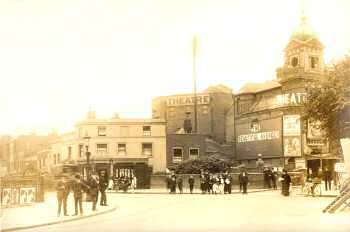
(6,196)
(314,130)
(27,195)
(292,146)
(291,125)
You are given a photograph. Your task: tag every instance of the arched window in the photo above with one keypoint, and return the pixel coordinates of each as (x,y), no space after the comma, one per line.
(295,61)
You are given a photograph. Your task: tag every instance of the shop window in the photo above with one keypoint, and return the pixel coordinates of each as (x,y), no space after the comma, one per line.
(121,149)
(177,154)
(54,159)
(101,131)
(146,130)
(147,149)
(101,148)
(194,153)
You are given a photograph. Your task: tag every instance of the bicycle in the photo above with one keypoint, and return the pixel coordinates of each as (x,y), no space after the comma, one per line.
(312,188)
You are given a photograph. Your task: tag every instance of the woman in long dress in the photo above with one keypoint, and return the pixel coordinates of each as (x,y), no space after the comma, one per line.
(286,180)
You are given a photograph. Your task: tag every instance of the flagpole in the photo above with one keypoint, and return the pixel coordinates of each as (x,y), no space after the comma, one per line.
(194,51)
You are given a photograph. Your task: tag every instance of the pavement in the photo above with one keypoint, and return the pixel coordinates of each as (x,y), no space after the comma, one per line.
(45,213)
(17,218)
(258,212)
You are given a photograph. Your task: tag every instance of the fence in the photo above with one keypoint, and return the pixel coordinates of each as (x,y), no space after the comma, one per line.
(21,190)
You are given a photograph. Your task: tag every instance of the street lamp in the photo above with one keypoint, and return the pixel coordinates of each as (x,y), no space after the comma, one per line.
(87,153)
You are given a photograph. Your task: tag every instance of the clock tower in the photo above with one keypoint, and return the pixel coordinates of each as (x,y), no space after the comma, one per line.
(303,61)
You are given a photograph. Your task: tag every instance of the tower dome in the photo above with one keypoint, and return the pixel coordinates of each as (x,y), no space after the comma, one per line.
(303,32)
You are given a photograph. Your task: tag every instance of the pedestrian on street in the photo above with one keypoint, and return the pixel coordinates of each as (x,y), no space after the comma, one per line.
(180,184)
(173,184)
(93,190)
(274,179)
(327,177)
(62,189)
(244,180)
(228,181)
(78,189)
(191,183)
(202,179)
(133,183)
(286,180)
(103,184)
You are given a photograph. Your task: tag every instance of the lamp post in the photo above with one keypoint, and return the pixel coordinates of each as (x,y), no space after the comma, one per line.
(87,153)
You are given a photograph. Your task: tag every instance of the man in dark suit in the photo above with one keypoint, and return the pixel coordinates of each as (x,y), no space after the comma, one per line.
(62,194)
(93,190)
(78,189)
(327,176)
(103,184)
(191,183)
(243,180)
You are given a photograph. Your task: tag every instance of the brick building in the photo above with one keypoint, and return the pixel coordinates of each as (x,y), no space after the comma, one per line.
(268,116)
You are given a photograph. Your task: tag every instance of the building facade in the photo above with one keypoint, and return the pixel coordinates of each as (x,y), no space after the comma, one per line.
(212,108)
(121,147)
(269,116)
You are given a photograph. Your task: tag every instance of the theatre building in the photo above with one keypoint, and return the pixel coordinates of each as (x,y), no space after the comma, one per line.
(184,142)
(268,116)
(121,147)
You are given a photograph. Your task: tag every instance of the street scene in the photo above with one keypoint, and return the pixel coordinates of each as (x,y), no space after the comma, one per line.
(163,115)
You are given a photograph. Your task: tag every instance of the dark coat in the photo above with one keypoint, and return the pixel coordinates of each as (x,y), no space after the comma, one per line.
(243,179)
(78,188)
(93,187)
(191,181)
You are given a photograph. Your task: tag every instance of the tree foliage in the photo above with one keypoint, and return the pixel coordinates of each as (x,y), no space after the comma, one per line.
(211,164)
(327,100)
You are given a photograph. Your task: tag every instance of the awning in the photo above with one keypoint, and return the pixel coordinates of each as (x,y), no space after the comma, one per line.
(322,156)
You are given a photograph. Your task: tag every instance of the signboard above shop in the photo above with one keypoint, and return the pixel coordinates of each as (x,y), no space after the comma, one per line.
(184,100)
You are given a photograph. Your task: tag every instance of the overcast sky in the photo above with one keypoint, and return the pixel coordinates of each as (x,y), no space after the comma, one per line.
(60,58)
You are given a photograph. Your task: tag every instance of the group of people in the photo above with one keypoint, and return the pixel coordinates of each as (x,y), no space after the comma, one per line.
(94,185)
(123,183)
(270,178)
(209,183)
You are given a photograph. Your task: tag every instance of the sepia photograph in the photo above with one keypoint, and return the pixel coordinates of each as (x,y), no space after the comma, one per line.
(175,115)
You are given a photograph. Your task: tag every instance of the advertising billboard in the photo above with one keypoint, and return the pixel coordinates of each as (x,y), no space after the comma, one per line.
(291,136)
(259,137)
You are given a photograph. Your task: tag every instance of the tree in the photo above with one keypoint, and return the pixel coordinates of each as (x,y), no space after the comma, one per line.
(328,102)
(211,164)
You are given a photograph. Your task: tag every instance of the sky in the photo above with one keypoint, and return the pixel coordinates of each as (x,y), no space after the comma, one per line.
(60,58)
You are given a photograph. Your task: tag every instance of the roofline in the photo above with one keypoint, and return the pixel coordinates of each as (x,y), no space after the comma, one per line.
(260,91)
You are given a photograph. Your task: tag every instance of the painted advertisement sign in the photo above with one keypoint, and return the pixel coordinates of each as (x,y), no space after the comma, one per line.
(291,125)
(314,130)
(27,195)
(292,146)
(259,137)
(291,136)
(183,100)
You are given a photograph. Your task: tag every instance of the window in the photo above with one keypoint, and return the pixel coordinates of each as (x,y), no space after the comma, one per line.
(147,149)
(313,62)
(146,130)
(124,131)
(194,153)
(81,150)
(54,159)
(58,157)
(121,149)
(69,152)
(101,131)
(80,132)
(177,154)
(101,148)
(294,61)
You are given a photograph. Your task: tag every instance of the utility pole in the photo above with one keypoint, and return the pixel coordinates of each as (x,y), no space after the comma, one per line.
(194,54)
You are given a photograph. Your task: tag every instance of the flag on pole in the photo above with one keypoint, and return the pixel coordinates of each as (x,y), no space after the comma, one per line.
(195,46)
